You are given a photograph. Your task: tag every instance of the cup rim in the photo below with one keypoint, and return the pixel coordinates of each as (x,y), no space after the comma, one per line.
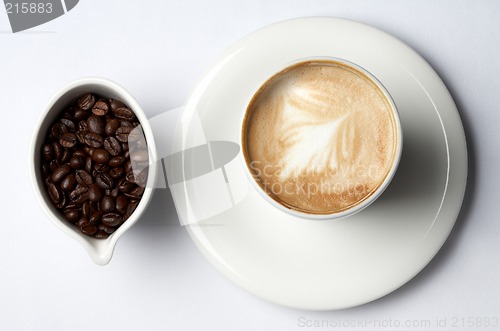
(100,250)
(364,203)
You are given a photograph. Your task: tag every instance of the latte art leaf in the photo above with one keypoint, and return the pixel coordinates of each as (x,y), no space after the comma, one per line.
(309,146)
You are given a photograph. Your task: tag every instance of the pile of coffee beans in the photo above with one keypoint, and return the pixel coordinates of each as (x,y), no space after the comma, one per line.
(87,167)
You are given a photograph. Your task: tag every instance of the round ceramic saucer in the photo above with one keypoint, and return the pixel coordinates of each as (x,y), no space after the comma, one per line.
(324,265)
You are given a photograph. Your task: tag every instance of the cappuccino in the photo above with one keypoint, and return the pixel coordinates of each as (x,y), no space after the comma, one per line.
(320,137)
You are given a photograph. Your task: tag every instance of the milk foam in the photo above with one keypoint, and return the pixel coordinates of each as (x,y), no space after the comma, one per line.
(320,125)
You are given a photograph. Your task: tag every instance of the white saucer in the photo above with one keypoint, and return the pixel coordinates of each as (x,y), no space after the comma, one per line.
(324,265)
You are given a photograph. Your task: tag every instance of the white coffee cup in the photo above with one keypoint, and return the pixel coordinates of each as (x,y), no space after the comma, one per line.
(374,195)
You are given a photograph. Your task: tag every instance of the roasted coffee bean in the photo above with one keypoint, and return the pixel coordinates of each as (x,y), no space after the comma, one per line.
(94,206)
(54,193)
(126,124)
(80,153)
(122,133)
(101,235)
(100,168)
(79,195)
(80,114)
(101,156)
(53,165)
(83,178)
(58,150)
(68,140)
(83,126)
(89,150)
(125,146)
(108,204)
(131,208)
(58,130)
(86,210)
(77,162)
(117,172)
(69,123)
(128,166)
(95,124)
(73,206)
(82,222)
(105,228)
(130,177)
(89,230)
(115,192)
(47,152)
(93,139)
(86,102)
(113,146)
(105,181)
(94,193)
(121,204)
(117,161)
(60,173)
(125,186)
(111,127)
(72,215)
(115,104)
(100,108)
(124,113)
(66,116)
(135,193)
(66,156)
(80,135)
(68,183)
(89,164)
(95,217)
(111,219)
(63,202)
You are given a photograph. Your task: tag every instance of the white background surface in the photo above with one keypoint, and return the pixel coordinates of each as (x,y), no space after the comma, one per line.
(157,279)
